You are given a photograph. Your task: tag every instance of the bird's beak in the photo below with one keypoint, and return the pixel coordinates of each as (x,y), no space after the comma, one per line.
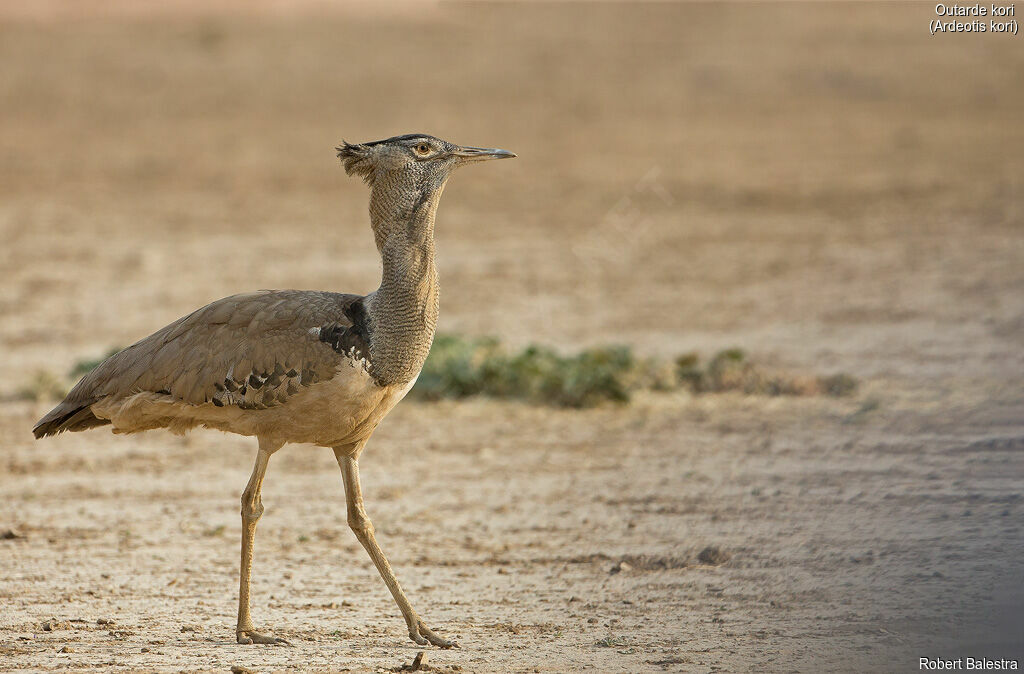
(471,154)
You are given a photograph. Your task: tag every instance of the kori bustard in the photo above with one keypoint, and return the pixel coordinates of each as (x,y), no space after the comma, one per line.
(298,366)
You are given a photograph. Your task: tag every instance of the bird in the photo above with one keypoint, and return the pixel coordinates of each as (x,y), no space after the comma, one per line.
(298,366)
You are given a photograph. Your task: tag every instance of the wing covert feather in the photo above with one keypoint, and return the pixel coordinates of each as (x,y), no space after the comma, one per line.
(253,350)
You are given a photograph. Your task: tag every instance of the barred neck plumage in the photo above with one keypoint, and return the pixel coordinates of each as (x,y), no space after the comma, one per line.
(403,311)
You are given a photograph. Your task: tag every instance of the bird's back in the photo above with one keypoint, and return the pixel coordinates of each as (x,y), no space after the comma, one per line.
(223,365)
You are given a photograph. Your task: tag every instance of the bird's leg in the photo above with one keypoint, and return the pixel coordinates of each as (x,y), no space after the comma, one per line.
(252,509)
(363,528)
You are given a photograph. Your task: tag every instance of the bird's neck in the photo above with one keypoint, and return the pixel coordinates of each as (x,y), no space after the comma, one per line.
(403,311)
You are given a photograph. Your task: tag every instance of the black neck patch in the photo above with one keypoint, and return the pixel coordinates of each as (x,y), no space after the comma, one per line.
(351,341)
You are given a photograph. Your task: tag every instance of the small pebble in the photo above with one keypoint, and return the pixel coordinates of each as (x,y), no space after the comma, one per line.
(621,567)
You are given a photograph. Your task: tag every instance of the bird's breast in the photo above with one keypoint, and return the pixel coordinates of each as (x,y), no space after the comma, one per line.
(343,409)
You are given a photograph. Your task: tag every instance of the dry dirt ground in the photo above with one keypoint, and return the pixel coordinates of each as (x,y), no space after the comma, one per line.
(825,186)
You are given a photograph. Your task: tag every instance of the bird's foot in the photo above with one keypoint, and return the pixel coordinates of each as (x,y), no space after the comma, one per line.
(253,637)
(423,635)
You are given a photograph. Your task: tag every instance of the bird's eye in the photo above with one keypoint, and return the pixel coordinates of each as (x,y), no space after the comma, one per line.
(422,148)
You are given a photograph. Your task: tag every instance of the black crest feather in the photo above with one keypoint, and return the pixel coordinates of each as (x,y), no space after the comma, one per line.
(355,158)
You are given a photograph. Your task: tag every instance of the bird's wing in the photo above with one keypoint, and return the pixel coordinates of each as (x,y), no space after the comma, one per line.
(252,350)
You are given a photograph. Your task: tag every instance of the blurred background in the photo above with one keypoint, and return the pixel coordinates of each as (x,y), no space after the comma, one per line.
(824,188)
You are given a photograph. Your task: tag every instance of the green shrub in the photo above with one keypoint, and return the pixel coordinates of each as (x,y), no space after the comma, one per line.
(85,366)
(459,367)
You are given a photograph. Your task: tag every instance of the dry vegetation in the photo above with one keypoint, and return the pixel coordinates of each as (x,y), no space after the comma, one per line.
(824,187)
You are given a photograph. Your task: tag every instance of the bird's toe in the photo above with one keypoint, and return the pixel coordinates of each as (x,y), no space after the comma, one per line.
(248,637)
(428,635)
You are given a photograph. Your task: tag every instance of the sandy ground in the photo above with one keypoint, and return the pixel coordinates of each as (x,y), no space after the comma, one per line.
(825,186)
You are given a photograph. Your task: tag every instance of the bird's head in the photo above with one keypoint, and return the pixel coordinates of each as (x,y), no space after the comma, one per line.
(415,158)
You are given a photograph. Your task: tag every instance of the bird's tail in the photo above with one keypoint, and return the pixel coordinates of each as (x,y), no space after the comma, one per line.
(68,417)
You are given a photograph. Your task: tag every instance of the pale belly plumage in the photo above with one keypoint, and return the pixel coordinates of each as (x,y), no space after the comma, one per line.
(342,410)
